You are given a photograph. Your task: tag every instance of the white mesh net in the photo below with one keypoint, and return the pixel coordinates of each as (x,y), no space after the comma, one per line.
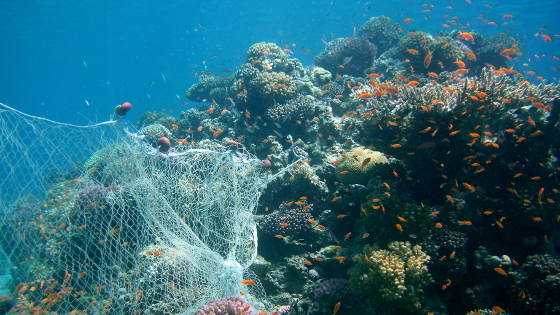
(97,221)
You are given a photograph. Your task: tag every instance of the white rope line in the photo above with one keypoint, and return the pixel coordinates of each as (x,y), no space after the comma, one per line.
(109,122)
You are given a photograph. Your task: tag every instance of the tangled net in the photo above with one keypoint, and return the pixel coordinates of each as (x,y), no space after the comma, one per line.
(96,220)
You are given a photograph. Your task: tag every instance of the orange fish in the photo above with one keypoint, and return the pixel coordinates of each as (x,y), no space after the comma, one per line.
(428,59)
(366,161)
(500,271)
(279,236)
(469,187)
(399,227)
(459,63)
(471,55)
(446,285)
(540,195)
(413,51)
(396,145)
(248,282)
(466,36)
(464,222)
(412,83)
(363,95)
(336,308)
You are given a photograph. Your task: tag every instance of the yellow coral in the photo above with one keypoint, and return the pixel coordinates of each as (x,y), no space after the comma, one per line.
(274,86)
(258,50)
(358,165)
(397,275)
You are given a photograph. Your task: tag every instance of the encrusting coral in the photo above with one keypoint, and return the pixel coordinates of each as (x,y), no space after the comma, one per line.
(359,164)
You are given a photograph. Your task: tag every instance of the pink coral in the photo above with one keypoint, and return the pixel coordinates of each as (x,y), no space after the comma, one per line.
(232,305)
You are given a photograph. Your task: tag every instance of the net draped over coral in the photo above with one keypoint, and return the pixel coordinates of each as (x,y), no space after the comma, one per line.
(130,229)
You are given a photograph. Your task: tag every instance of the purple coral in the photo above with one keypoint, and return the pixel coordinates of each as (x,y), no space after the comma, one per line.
(331,289)
(93,194)
(232,305)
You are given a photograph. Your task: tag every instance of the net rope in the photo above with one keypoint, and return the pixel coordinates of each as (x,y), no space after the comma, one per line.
(96,220)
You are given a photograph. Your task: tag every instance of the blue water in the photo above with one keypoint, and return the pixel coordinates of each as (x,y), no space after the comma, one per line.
(75,60)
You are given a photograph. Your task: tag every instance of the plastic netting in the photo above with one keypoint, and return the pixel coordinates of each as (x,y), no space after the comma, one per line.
(96,220)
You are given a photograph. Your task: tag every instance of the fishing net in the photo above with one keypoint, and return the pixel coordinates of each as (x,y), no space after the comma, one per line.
(96,220)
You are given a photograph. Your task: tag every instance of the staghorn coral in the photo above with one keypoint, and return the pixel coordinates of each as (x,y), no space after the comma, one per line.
(232,305)
(407,98)
(397,276)
(347,56)
(380,31)
(499,86)
(359,164)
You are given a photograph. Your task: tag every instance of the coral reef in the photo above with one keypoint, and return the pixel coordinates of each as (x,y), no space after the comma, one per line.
(231,305)
(286,220)
(408,173)
(380,31)
(210,88)
(536,284)
(358,165)
(397,276)
(347,56)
